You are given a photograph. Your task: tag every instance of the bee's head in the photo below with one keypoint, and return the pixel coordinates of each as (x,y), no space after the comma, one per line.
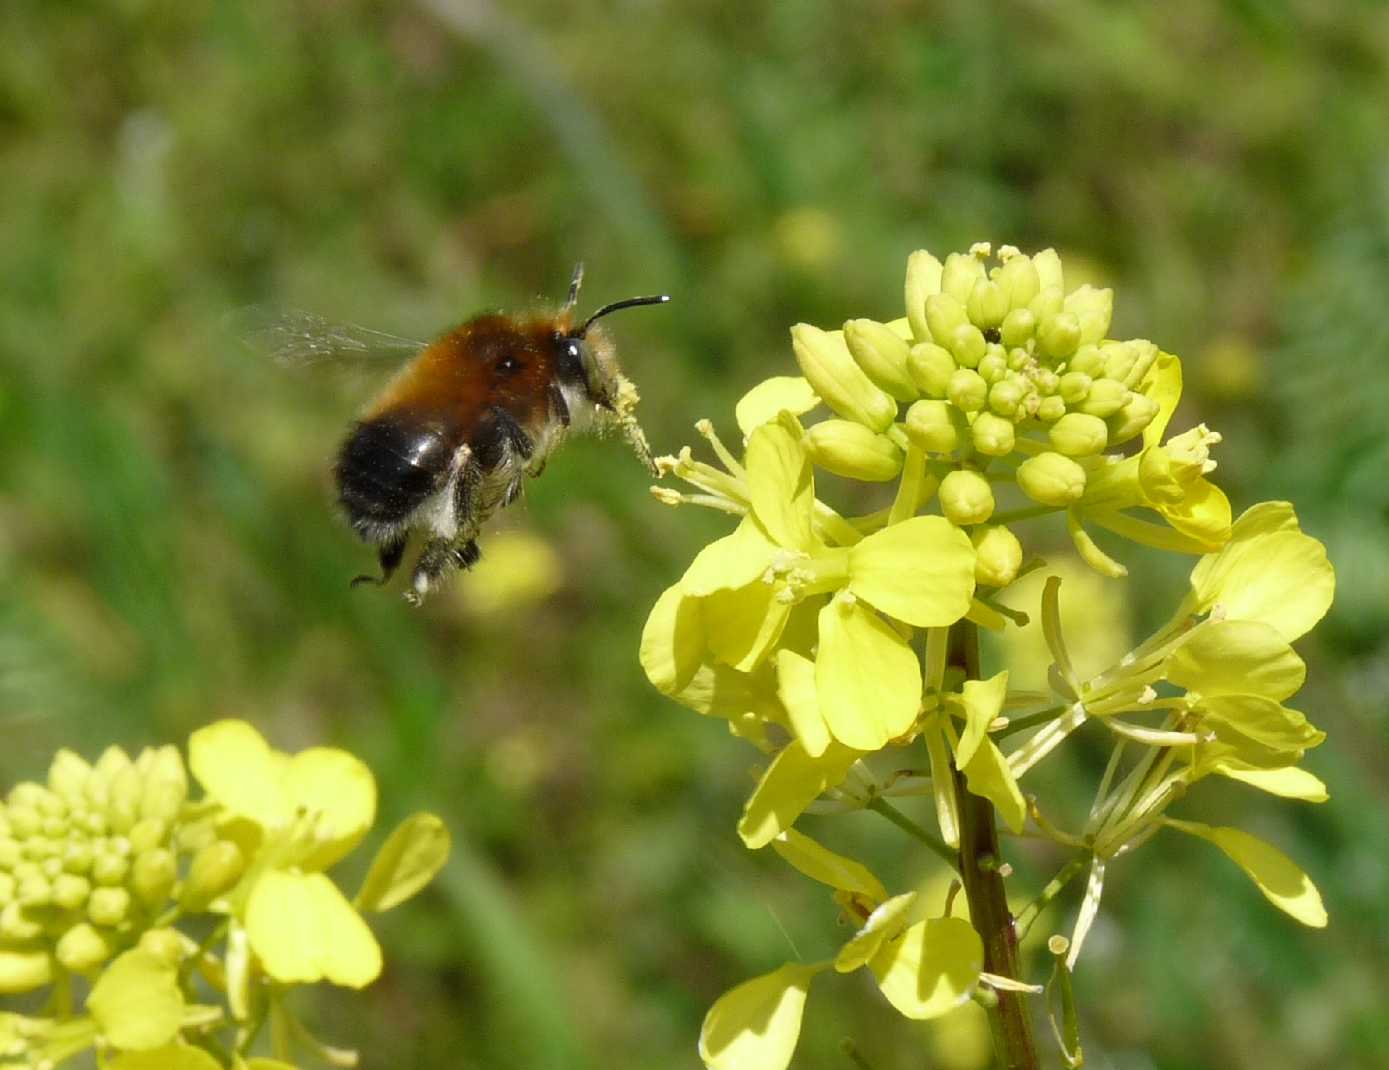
(585,356)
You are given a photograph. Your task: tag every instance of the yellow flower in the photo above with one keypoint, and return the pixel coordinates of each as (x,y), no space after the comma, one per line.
(301,814)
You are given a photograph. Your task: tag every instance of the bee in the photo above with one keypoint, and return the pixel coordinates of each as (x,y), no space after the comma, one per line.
(453,436)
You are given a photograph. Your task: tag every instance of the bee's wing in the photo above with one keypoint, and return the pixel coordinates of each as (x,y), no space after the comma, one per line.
(297,339)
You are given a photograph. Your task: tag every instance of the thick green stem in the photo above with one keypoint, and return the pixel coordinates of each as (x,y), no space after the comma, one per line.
(1009,1020)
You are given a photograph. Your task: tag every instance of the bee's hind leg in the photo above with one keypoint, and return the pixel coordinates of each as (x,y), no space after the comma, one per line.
(388,554)
(439,558)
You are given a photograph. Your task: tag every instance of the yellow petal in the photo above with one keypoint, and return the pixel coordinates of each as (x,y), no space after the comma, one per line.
(234,764)
(303,930)
(781,488)
(1289,782)
(885,923)
(821,864)
(407,861)
(731,562)
(672,642)
(796,689)
(770,398)
(1280,577)
(137,1002)
(1237,657)
(932,968)
(168,1057)
(1276,875)
(920,571)
(340,791)
(1203,514)
(983,700)
(1163,384)
(868,678)
(756,1025)
(1239,717)
(743,624)
(987,775)
(722,691)
(792,782)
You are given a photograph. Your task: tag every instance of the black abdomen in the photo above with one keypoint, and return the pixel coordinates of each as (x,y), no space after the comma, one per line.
(386,469)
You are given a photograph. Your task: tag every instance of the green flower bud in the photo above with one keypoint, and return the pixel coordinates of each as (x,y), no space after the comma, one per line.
(1129,421)
(993,436)
(997,555)
(935,426)
(1019,280)
(943,314)
(51,867)
(826,363)
(966,497)
(987,304)
(123,809)
(163,944)
(165,783)
(154,872)
(1089,360)
(16,925)
(95,824)
(1046,381)
(1020,359)
(24,971)
(850,449)
(1046,304)
(882,354)
(77,856)
(960,274)
(931,367)
(1005,396)
(994,364)
(34,891)
(82,949)
(1058,335)
(54,828)
(70,891)
(148,832)
(1079,435)
(967,343)
(1018,327)
(67,775)
(1074,387)
(1106,397)
(1119,359)
(215,869)
(1051,479)
(923,280)
(1051,409)
(1147,353)
(109,868)
(25,821)
(108,906)
(36,848)
(1092,309)
(967,390)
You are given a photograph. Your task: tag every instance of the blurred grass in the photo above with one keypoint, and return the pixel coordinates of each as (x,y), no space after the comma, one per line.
(170,552)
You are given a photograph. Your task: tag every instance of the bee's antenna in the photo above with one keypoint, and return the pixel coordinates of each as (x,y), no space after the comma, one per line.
(574,284)
(631,302)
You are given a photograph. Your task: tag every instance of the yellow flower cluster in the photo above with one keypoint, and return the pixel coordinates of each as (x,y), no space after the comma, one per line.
(822,637)
(98,867)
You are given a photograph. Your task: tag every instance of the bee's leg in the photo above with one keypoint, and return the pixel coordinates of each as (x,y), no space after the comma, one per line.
(439,558)
(513,432)
(388,554)
(510,447)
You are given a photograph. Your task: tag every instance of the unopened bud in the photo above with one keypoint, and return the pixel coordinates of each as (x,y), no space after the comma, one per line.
(34,890)
(68,773)
(931,367)
(1119,359)
(25,821)
(1147,354)
(935,426)
(1129,421)
(82,949)
(943,314)
(109,868)
(882,354)
(1051,479)
(966,497)
(77,856)
(997,555)
(70,891)
(123,809)
(1018,328)
(164,944)
(1074,387)
(153,875)
(987,304)
(1050,409)
(994,364)
(24,971)
(165,783)
(215,869)
(967,390)
(1106,397)
(828,366)
(108,906)
(993,436)
(1089,360)
(967,344)
(1046,304)
(849,449)
(1092,309)
(960,274)
(1058,335)
(148,832)
(1079,435)
(923,280)
(1005,396)
(1018,279)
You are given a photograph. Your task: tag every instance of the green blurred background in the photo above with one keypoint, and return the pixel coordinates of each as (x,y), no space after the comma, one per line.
(169,548)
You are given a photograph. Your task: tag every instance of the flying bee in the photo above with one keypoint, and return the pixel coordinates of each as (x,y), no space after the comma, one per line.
(452,438)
